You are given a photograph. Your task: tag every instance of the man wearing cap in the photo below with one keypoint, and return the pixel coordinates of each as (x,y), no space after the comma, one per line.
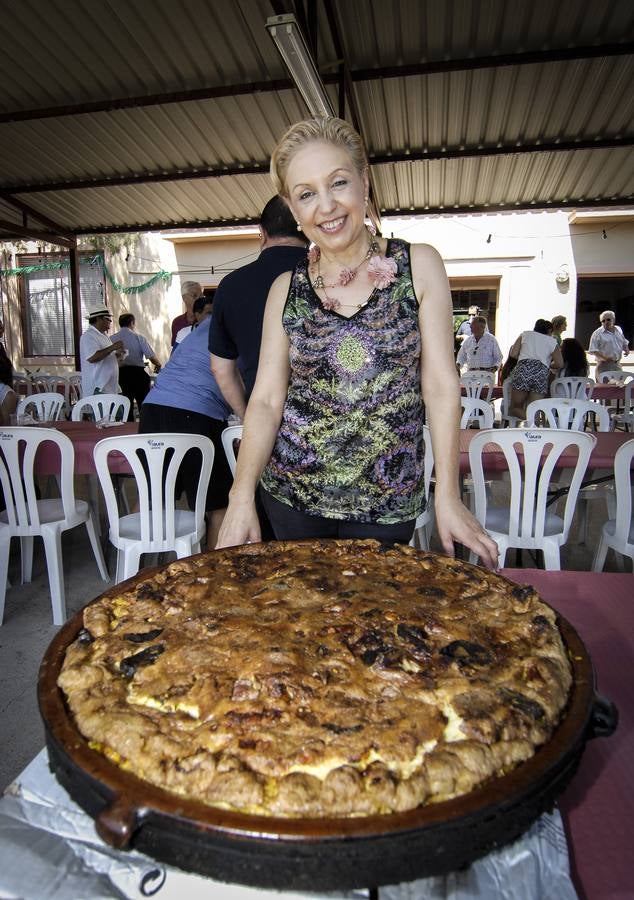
(99,355)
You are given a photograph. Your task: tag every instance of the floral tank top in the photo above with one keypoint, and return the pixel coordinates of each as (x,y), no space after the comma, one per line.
(350,445)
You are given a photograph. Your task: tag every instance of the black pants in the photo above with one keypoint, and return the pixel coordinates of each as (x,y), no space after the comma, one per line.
(135,384)
(290,524)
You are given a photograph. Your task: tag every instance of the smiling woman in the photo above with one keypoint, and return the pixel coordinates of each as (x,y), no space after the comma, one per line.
(354,339)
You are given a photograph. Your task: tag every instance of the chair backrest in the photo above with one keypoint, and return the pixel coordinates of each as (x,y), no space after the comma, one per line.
(477,383)
(50,383)
(155,460)
(18,447)
(46,407)
(623,483)
(22,385)
(75,391)
(570,414)
(570,388)
(531,457)
(615,375)
(476,410)
(113,407)
(229,435)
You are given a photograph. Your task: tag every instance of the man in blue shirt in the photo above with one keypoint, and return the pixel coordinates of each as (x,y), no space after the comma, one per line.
(236,331)
(186,399)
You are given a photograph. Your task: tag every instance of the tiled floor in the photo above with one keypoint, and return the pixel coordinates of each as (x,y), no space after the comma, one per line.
(28,629)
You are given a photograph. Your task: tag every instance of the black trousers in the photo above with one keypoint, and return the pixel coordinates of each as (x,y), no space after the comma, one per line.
(135,384)
(290,524)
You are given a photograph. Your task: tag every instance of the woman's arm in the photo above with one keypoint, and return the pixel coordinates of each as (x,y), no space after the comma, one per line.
(261,422)
(441,395)
(514,352)
(557,360)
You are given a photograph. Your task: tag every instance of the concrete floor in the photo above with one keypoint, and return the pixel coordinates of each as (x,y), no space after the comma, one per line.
(28,630)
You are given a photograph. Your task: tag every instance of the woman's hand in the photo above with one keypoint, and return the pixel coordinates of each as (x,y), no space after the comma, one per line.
(240,525)
(455,523)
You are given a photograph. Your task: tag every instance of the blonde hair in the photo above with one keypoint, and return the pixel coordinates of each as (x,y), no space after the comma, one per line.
(322,128)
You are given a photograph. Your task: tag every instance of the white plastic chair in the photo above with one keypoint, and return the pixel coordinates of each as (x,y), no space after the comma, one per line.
(113,407)
(625,418)
(618,532)
(569,388)
(46,407)
(616,376)
(75,391)
(425,522)
(22,385)
(531,457)
(157,527)
(477,383)
(570,414)
(229,435)
(27,517)
(476,410)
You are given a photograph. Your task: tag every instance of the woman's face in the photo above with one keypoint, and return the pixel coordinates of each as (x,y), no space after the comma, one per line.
(327,194)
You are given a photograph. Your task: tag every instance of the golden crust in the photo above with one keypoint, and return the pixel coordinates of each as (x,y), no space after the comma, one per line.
(325,678)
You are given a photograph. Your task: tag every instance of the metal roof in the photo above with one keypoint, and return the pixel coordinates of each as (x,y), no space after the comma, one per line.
(137,114)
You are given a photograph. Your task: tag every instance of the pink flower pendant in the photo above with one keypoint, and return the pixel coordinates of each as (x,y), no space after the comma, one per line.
(382,271)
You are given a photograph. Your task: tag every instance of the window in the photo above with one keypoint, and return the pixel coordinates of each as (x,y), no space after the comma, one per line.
(47,320)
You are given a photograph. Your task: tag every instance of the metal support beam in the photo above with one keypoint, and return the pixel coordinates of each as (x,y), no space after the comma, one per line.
(75,301)
(11,229)
(28,211)
(284,84)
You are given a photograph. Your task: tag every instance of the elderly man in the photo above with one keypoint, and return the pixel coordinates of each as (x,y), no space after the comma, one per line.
(134,380)
(99,355)
(480,350)
(464,329)
(190,291)
(608,343)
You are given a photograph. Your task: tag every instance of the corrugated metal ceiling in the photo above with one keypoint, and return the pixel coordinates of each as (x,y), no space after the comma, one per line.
(469,104)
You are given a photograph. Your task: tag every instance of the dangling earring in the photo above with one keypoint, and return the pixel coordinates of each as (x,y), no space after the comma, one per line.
(299,227)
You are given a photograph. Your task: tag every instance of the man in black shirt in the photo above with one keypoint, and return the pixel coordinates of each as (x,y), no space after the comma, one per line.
(236,328)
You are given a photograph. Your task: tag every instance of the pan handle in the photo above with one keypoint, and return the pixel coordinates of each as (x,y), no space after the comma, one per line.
(603,719)
(117,822)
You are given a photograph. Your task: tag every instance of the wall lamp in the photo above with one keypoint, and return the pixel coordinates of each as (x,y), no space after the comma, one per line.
(293,49)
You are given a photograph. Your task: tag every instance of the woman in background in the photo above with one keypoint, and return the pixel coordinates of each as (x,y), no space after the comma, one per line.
(8,397)
(574,357)
(536,352)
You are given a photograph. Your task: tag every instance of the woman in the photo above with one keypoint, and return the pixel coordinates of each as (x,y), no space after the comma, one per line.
(536,353)
(334,424)
(8,397)
(574,357)
(558,326)
(186,399)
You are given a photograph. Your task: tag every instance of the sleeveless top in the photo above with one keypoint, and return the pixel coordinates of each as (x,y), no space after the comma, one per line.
(350,444)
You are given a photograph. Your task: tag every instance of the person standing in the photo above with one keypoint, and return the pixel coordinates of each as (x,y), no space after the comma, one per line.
(480,350)
(236,330)
(352,341)
(186,399)
(133,378)
(464,329)
(190,291)
(536,352)
(559,324)
(99,355)
(203,307)
(608,343)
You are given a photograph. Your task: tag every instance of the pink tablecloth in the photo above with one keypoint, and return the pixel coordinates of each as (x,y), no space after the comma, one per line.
(84,436)
(608,392)
(608,442)
(598,807)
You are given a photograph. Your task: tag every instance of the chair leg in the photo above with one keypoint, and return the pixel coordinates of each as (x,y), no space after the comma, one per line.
(96,547)
(599,557)
(53,550)
(5,547)
(552,558)
(26,550)
(131,562)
